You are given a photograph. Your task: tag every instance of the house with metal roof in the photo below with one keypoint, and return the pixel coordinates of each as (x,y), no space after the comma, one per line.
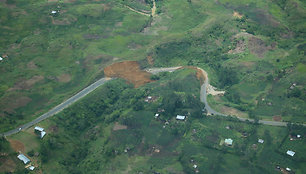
(261,141)
(180,117)
(23,158)
(290,152)
(37,128)
(228,141)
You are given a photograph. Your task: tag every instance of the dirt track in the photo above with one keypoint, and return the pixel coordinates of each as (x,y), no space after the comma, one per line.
(130,71)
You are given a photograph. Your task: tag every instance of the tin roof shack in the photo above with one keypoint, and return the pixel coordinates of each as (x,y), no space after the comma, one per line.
(228,142)
(291,153)
(181,117)
(23,158)
(40,131)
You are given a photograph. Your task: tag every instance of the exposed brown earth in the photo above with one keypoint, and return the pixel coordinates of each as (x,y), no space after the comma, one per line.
(150,60)
(7,165)
(12,102)
(26,84)
(240,47)
(118,126)
(277,118)
(17,145)
(130,71)
(258,46)
(64,78)
(31,65)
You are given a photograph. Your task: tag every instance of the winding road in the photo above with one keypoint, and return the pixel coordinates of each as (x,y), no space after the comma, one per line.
(102,81)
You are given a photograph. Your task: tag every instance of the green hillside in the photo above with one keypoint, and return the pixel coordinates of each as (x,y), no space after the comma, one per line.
(252,50)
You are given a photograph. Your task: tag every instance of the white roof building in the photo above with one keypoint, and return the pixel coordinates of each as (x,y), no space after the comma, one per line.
(42,134)
(40,129)
(31,168)
(288,169)
(1,58)
(180,117)
(23,158)
(156,115)
(228,141)
(261,141)
(53,12)
(299,136)
(195,166)
(291,153)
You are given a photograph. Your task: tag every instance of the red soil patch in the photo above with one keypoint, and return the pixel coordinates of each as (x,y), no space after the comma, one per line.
(17,145)
(277,118)
(130,71)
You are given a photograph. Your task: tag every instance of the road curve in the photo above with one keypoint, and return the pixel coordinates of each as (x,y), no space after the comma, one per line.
(102,81)
(60,107)
(203,97)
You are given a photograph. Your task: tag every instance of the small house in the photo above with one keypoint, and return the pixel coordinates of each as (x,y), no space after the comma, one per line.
(1,58)
(31,168)
(260,141)
(42,134)
(40,131)
(23,158)
(53,12)
(156,115)
(180,117)
(228,141)
(291,153)
(288,169)
(298,136)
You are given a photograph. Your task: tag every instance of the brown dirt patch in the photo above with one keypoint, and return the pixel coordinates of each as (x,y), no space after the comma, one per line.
(247,64)
(64,78)
(118,126)
(53,128)
(277,118)
(26,84)
(232,111)
(7,165)
(237,15)
(258,46)
(240,47)
(150,60)
(64,21)
(17,145)
(11,102)
(130,71)
(31,65)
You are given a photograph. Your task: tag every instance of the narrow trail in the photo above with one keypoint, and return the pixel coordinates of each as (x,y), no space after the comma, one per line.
(153,10)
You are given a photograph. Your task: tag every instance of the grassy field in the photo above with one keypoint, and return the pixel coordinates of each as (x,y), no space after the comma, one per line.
(113,130)
(253,50)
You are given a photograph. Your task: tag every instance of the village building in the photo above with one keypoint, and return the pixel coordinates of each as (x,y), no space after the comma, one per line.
(288,169)
(40,130)
(260,141)
(53,12)
(291,153)
(1,58)
(228,142)
(180,117)
(31,168)
(156,115)
(23,158)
